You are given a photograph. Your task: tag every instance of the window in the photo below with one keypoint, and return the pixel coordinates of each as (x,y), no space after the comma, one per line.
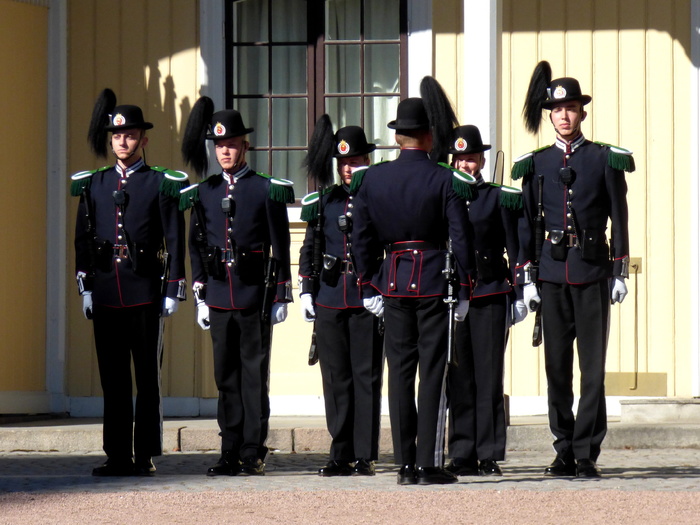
(289,61)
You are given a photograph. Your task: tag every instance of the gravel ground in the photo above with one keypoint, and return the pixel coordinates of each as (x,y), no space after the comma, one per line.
(639,486)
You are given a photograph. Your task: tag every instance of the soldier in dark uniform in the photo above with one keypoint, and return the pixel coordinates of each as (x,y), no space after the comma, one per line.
(581,269)
(477,429)
(413,207)
(349,344)
(128,217)
(239,249)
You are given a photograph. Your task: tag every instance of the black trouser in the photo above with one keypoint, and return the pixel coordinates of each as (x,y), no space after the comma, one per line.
(351,357)
(416,338)
(578,312)
(475,388)
(123,334)
(241,344)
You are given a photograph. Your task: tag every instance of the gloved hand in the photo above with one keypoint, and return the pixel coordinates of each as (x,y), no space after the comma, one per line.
(531,297)
(519,311)
(170,306)
(461,310)
(279,313)
(87,305)
(374,305)
(203,315)
(618,289)
(308,312)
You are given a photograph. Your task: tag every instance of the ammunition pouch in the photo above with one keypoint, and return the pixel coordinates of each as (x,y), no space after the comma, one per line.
(559,247)
(213,262)
(145,260)
(490,268)
(594,245)
(330,274)
(248,265)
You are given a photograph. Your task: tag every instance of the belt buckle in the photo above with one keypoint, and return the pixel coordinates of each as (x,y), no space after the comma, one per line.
(347,267)
(571,237)
(120,251)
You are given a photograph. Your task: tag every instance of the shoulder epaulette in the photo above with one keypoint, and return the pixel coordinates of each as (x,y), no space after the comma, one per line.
(619,158)
(463,183)
(356,181)
(309,204)
(511,198)
(82,180)
(189,196)
(173,181)
(281,190)
(524,165)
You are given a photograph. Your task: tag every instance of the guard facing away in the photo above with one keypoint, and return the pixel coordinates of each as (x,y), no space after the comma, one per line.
(416,209)
(477,429)
(576,270)
(130,264)
(239,250)
(348,339)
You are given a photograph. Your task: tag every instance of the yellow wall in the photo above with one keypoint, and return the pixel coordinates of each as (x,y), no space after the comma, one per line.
(23,95)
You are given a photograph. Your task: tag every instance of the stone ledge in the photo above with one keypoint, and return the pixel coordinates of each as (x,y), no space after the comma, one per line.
(660,410)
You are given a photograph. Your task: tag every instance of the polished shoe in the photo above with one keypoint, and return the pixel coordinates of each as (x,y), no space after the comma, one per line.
(561,467)
(463,467)
(252,466)
(489,467)
(144,467)
(586,468)
(435,476)
(228,465)
(363,468)
(115,467)
(335,468)
(407,475)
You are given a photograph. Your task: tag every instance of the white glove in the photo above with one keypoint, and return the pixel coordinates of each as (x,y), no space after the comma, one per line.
(531,297)
(203,315)
(87,305)
(618,289)
(374,305)
(519,311)
(461,310)
(170,306)
(279,312)
(308,312)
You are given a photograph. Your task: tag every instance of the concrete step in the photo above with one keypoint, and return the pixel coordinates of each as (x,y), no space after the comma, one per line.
(660,410)
(309,434)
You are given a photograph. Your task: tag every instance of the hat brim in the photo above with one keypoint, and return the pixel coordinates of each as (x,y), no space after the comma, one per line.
(143,125)
(239,133)
(549,104)
(397,124)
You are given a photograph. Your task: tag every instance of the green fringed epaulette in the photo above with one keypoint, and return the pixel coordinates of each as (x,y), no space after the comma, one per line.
(309,204)
(524,165)
(189,196)
(357,178)
(173,181)
(82,180)
(281,190)
(511,198)
(463,183)
(619,158)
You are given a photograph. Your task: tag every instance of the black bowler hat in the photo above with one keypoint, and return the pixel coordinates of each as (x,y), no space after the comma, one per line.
(410,114)
(563,90)
(351,141)
(127,116)
(225,124)
(467,139)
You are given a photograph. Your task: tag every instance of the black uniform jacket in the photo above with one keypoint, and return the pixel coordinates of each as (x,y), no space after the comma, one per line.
(494,218)
(259,223)
(597,193)
(151,216)
(410,199)
(338,286)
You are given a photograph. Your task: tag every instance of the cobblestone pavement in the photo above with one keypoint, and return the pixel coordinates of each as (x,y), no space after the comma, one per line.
(624,470)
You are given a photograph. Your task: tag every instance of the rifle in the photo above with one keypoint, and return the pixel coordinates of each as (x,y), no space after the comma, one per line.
(165,275)
(534,272)
(92,240)
(316,265)
(449,273)
(270,288)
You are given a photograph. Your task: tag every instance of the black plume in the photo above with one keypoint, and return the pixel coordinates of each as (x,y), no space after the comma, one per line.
(97,134)
(536,95)
(319,160)
(441,115)
(194,145)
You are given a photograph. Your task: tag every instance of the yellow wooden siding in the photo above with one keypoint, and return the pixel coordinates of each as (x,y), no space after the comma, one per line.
(23,56)
(633,58)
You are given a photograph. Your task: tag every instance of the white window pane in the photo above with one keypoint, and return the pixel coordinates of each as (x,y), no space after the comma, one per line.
(287,165)
(379,111)
(343,69)
(255,115)
(251,71)
(289,70)
(382,68)
(344,111)
(343,19)
(250,21)
(382,20)
(289,20)
(289,122)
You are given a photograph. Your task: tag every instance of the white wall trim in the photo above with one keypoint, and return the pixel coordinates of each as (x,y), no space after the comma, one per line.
(695,196)
(56,205)
(420,43)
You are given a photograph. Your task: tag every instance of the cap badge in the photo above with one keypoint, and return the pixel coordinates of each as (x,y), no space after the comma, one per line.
(460,144)
(559,92)
(343,147)
(118,120)
(219,129)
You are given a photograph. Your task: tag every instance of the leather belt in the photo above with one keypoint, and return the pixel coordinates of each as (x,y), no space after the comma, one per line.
(570,239)
(414,245)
